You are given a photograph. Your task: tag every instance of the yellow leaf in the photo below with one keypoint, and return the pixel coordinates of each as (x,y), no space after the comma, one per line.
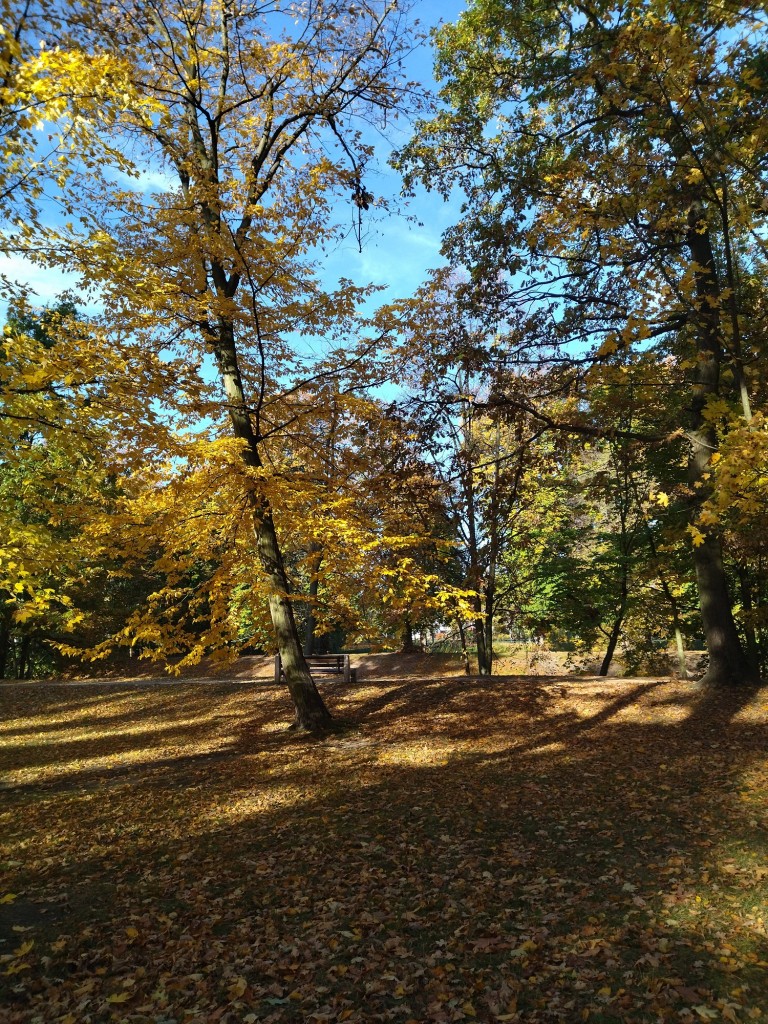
(24,948)
(706,1012)
(119,997)
(9,897)
(237,988)
(697,536)
(608,347)
(16,968)
(132,933)
(527,947)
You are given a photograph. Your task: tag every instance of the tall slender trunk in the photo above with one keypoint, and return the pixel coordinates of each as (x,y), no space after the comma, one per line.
(618,622)
(310,622)
(728,664)
(475,580)
(493,556)
(464,650)
(5,642)
(682,668)
(731,279)
(478,622)
(747,603)
(22,658)
(484,666)
(490,599)
(625,486)
(758,594)
(311,713)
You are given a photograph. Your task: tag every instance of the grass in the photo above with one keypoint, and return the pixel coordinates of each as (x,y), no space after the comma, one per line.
(534,849)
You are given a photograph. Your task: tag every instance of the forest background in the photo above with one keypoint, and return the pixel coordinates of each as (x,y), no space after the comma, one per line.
(211,446)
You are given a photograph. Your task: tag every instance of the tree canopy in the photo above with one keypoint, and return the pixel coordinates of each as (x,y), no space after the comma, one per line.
(613,162)
(559,435)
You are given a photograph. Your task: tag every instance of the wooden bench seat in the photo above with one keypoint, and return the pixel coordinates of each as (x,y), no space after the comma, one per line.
(327,664)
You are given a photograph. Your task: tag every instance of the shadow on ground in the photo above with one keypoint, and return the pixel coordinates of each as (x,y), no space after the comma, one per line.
(508,849)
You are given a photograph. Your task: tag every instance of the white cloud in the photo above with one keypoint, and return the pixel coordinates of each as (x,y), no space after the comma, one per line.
(153,180)
(45,283)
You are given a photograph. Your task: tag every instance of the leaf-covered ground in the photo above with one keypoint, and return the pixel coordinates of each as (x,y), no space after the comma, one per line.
(505,850)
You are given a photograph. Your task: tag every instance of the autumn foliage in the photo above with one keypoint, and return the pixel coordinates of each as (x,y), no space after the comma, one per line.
(559,437)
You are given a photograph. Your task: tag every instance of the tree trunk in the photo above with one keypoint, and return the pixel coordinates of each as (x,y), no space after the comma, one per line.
(23,655)
(486,667)
(311,713)
(490,598)
(475,579)
(483,660)
(621,612)
(5,643)
(727,663)
(310,622)
(676,627)
(682,668)
(408,645)
(29,668)
(750,634)
(464,651)
(613,640)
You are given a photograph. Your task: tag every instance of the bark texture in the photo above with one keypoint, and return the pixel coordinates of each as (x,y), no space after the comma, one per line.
(310,620)
(311,713)
(613,639)
(728,665)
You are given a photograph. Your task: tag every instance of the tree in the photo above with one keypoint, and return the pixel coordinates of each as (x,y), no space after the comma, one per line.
(477,452)
(51,96)
(256,113)
(65,398)
(374,548)
(354,511)
(621,179)
(623,477)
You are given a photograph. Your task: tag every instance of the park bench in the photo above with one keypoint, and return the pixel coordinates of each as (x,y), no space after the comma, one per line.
(328,664)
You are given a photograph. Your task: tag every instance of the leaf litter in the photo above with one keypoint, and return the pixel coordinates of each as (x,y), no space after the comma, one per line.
(512,849)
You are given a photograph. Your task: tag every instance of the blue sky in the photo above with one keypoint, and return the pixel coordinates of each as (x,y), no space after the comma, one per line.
(397,252)
(400,248)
